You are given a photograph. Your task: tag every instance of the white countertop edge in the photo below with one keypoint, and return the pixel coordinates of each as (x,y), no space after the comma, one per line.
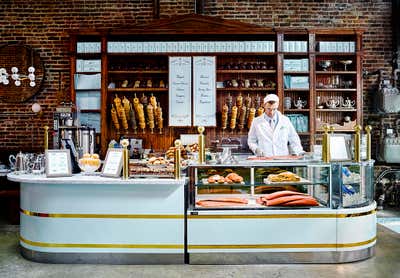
(81,179)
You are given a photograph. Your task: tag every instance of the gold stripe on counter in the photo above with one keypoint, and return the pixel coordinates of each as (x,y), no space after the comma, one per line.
(239,216)
(281,246)
(116,216)
(101,245)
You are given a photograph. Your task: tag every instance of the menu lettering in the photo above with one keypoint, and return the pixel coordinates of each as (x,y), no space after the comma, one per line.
(180,91)
(204,104)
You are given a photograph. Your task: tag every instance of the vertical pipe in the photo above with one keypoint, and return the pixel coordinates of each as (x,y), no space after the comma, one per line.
(202,145)
(326,150)
(46,137)
(368,129)
(177,166)
(357,143)
(125,156)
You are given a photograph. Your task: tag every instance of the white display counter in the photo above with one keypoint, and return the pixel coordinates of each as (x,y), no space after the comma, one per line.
(93,219)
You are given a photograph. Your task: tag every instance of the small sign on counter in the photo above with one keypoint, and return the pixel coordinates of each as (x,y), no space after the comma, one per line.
(204,104)
(58,163)
(113,163)
(180,91)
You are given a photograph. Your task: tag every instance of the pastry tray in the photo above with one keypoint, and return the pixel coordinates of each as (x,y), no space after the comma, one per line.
(301,181)
(205,182)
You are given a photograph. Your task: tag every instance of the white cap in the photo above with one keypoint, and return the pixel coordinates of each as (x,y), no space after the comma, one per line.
(271,97)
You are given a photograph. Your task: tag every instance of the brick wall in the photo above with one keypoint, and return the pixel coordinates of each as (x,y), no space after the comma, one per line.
(43,25)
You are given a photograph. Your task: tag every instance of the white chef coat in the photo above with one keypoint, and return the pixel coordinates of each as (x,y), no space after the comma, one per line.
(274,141)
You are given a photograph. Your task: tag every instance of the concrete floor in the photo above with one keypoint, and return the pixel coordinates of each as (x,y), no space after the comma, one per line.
(385,264)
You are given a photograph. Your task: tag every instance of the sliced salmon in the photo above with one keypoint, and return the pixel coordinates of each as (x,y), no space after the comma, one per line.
(282,200)
(207,203)
(302,202)
(259,158)
(282,193)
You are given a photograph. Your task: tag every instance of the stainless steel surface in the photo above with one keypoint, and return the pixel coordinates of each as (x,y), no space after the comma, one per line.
(282,257)
(100,258)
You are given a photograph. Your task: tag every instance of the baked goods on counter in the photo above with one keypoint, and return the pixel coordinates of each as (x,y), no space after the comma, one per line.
(284,176)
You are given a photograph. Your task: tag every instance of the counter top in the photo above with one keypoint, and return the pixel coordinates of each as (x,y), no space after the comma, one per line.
(85,179)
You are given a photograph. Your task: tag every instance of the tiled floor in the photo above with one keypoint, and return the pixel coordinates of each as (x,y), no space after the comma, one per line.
(385,264)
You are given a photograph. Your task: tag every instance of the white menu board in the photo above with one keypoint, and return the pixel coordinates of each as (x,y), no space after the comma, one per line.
(113,163)
(180,85)
(204,103)
(58,163)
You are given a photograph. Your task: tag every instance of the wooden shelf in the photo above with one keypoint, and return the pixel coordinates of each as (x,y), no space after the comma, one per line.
(335,53)
(303,133)
(296,110)
(247,71)
(136,71)
(88,90)
(349,72)
(90,110)
(246,89)
(295,53)
(87,72)
(336,110)
(335,90)
(88,55)
(296,72)
(296,90)
(137,90)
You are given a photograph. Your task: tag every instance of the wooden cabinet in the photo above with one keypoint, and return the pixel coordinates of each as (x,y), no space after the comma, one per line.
(316,74)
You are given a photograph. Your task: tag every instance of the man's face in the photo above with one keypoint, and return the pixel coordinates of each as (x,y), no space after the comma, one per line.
(270,108)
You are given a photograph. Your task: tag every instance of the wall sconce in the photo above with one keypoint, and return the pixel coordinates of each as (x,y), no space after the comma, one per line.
(17,77)
(37,109)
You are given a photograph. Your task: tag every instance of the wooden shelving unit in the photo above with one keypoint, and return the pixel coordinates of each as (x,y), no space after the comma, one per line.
(333,82)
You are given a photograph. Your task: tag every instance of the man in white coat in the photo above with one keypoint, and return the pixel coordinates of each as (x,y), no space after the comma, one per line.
(272,134)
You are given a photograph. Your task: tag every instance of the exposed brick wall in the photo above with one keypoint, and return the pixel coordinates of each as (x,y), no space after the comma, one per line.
(43,25)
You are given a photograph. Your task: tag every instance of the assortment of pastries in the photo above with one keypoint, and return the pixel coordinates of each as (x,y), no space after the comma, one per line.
(284,176)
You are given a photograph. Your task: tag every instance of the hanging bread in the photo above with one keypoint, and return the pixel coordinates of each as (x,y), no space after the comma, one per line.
(159,117)
(150,116)
(114,117)
(153,101)
(224,117)
(229,102)
(232,123)
(242,117)
(250,119)
(121,112)
(258,101)
(132,118)
(260,111)
(140,113)
(239,100)
(127,107)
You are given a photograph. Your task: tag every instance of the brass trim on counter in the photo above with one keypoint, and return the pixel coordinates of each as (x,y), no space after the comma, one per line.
(100,245)
(322,215)
(115,216)
(281,245)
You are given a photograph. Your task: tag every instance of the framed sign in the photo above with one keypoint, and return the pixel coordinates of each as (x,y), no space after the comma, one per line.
(339,148)
(180,91)
(113,163)
(58,163)
(204,80)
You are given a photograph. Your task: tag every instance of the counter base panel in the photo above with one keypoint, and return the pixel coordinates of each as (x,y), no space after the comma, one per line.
(100,258)
(282,257)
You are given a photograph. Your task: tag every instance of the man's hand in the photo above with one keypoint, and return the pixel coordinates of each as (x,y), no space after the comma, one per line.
(259,152)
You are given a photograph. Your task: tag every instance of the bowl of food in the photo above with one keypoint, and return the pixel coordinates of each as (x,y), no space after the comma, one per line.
(89,163)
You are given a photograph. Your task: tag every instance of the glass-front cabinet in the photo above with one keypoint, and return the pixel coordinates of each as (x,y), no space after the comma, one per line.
(280,185)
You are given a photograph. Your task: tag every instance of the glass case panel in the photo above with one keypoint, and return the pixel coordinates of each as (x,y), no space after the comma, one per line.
(356,184)
(259,187)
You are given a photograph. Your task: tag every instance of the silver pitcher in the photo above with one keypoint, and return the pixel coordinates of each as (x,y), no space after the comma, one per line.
(19,163)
